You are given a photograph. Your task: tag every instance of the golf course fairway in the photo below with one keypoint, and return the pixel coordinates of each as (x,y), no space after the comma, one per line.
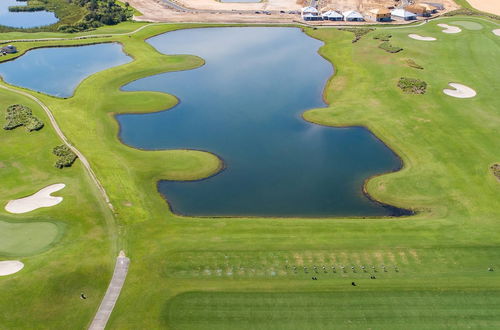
(437,269)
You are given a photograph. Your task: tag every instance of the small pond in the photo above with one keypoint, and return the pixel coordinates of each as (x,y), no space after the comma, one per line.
(245,106)
(58,71)
(24,19)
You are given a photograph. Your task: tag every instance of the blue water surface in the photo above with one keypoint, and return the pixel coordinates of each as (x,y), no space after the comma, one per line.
(58,71)
(24,19)
(245,106)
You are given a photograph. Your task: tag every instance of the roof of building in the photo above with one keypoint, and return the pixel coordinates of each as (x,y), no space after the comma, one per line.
(380,11)
(309,10)
(352,14)
(416,9)
(402,13)
(332,13)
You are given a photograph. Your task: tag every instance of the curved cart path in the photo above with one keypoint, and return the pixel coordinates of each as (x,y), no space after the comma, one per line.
(112,294)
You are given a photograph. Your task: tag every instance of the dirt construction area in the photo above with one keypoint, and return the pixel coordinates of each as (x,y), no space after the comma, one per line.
(266,11)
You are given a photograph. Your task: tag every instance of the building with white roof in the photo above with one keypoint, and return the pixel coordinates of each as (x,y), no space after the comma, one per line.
(310,14)
(353,16)
(332,15)
(402,14)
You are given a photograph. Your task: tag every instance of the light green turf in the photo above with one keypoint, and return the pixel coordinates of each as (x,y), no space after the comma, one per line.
(26,238)
(468,25)
(442,253)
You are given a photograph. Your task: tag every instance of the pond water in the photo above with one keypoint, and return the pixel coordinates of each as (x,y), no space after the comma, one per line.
(24,19)
(58,71)
(245,106)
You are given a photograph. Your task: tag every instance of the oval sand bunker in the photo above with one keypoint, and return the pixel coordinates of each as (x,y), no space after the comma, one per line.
(421,38)
(496,32)
(450,29)
(460,91)
(39,199)
(10,267)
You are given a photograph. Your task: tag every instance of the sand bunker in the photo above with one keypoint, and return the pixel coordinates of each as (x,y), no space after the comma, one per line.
(450,29)
(419,37)
(40,199)
(496,32)
(460,91)
(10,267)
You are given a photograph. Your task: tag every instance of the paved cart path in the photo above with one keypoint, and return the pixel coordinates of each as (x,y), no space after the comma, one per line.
(112,294)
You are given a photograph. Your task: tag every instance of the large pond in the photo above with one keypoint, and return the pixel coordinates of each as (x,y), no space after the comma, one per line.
(24,19)
(58,71)
(245,106)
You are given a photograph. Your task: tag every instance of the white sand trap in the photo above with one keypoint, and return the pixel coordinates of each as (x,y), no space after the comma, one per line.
(450,29)
(460,91)
(496,32)
(37,200)
(419,37)
(10,267)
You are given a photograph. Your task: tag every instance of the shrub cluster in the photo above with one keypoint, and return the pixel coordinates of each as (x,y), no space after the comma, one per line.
(66,156)
(99,13)
(26,8)
(471,12)
(412,64)
(358,32)
(412,86)
(495,168)
(382,36)
(20,115)
(388,47)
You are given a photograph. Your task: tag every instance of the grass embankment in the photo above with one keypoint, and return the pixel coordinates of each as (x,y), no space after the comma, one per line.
(442,254)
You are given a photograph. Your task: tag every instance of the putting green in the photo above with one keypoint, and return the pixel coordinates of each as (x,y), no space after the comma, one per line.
(468,25)
(26,238)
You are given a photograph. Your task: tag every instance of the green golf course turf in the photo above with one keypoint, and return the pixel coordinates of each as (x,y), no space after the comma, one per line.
(26,238)
(232,273)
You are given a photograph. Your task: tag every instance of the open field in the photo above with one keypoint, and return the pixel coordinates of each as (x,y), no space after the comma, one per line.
(189,273)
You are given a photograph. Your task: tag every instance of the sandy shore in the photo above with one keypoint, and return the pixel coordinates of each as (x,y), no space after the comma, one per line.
(10,267)
(460,91)
(490,6)
(421,38)
(42,198)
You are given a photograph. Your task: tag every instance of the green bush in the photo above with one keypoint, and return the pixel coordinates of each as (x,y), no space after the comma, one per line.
(495,168)
(411,63)
(382,36)
(26,8)
(412,86)
(20,115)
(66,156)
(358,32)
(388,47)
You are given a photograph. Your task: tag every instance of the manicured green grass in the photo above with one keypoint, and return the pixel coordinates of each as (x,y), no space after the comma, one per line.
(351,309)
(66,249)
(234,273)
(26,238)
